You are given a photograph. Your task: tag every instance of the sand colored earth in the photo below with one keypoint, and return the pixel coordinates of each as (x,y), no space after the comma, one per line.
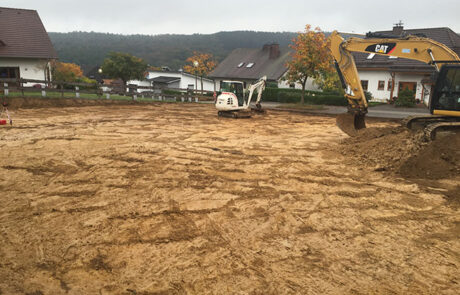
(170,199)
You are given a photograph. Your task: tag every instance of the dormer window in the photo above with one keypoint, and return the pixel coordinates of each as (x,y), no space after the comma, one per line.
(241,64)
(250,65)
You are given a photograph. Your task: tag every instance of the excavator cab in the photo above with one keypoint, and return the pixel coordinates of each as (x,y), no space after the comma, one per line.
(236,88)
(445,99)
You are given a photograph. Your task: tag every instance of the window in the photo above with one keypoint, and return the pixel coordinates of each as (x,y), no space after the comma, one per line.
(9,73)
(190,86)
(447,91)
(364,84)
(292,85)
(371,56)
(250,65)
(241,64)
(381,85)
(390,85)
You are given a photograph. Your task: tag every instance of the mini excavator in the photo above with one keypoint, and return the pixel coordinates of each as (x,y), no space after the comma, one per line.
(444,103)
(232,102)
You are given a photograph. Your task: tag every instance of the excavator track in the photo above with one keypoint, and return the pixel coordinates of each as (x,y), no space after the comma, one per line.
(424,120)
(432,130)
(234,114)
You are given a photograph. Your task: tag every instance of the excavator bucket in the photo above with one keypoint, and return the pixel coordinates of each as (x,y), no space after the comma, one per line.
(258,109)
(350,123)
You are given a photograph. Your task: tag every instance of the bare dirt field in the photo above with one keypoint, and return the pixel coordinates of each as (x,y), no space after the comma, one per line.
(170,199)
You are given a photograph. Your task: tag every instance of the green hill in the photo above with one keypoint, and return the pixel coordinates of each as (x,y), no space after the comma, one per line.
(88,49)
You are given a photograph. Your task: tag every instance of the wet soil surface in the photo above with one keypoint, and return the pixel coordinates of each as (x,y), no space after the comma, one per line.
(170,199)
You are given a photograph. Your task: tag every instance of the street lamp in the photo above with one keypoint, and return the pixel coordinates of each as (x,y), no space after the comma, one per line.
(196,64)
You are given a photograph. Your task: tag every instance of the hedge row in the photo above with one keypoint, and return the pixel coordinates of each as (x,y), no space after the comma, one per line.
(311,97)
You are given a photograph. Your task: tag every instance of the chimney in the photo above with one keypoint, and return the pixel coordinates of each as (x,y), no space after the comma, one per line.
(398,28)
(274,51)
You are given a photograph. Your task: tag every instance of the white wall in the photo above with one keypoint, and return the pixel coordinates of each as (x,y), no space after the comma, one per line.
(185,80)
(281,84)
(373,78)
(29,68)
(138,83)
(310,85)
(383,95)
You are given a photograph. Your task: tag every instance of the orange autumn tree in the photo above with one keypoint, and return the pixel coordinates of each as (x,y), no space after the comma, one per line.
(66,72)
(200,64)
(310,58)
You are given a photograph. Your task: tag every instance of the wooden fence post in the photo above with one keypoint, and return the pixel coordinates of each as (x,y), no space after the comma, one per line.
(22,86)
(5,90)
(77,94)
(43,90)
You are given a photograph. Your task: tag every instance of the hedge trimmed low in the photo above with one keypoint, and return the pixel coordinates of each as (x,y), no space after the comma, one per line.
(286,95)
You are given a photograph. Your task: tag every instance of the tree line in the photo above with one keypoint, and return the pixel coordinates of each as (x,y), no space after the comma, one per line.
(89,49)
(311,58)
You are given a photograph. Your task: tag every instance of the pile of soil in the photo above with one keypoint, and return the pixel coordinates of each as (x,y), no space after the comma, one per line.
(438,159)
(404,152)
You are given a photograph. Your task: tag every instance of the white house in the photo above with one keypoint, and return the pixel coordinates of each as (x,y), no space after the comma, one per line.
(26,50)
(385,76)
(177,80)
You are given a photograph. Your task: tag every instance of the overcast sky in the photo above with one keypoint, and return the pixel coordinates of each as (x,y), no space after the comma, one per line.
(209,16)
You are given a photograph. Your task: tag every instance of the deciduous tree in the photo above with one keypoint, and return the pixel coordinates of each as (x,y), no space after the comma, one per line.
(66,72)
(200,64)
(124,66)
(310,57)
(329,81)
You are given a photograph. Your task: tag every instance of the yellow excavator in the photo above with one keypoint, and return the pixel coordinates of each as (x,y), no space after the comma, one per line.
(444,103)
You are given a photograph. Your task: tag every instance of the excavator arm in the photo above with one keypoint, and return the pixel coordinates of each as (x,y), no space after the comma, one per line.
(260,87)
(411,47)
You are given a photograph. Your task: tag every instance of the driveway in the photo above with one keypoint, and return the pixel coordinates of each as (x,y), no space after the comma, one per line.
(380,111)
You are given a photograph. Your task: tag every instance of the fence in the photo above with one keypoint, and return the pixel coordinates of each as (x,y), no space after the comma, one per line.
(88,90)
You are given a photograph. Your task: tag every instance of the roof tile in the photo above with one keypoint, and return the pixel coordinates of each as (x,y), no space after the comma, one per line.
(23,35)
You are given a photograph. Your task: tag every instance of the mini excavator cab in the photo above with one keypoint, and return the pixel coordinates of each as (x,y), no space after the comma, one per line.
(234,87)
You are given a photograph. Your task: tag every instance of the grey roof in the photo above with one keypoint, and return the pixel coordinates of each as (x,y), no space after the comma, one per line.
(263,65)
(164,79)
(442,35)
(23,35)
